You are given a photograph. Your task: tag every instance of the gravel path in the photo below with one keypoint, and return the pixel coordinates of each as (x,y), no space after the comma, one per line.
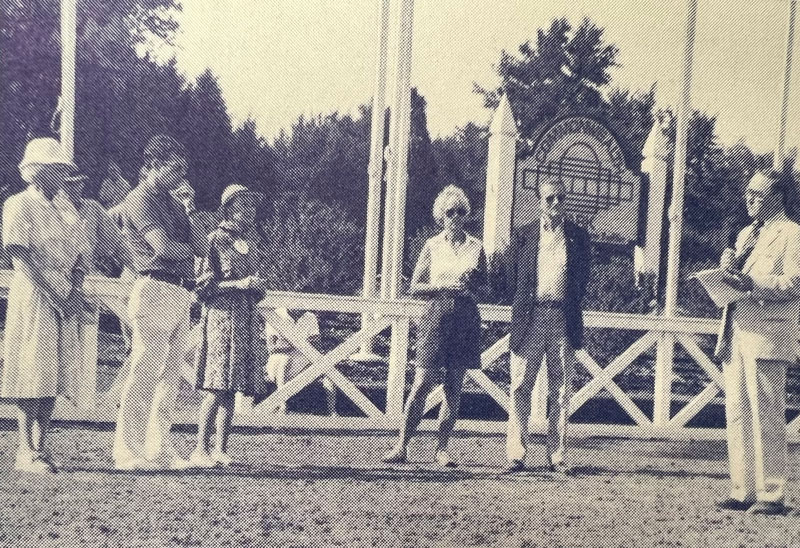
(330,490)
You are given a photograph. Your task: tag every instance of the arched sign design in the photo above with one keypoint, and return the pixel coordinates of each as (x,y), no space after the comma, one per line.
(602,193)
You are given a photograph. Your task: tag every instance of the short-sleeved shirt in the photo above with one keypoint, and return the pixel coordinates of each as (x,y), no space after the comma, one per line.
(54,238)
(146,208)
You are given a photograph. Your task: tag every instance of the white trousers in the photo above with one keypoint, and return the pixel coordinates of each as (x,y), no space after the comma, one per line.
(755,413)
(546,340)
(159,314)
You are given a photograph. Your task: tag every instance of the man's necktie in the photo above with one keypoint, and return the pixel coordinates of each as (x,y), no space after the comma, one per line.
(748,246)
(723,337)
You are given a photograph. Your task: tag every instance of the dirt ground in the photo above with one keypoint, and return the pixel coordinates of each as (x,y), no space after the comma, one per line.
(295,489)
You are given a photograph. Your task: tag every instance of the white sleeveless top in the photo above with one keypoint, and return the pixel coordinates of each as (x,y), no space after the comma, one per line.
(448,264)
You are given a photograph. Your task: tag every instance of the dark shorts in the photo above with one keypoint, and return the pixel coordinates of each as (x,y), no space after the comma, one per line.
(449,334)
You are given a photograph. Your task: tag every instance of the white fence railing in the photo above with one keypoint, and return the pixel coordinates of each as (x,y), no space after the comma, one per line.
(656,335)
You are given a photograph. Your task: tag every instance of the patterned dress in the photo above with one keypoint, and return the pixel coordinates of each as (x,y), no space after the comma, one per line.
(232,355)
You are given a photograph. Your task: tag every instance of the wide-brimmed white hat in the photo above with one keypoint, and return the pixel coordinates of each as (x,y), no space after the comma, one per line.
(42,151)
(231,191)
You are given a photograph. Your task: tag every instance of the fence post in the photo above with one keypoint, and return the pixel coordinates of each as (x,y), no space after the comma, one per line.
(398,359)
(662,388)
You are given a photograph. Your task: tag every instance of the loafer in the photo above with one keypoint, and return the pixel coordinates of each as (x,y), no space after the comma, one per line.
(515,465)
(560,469)
(734,504)
(767,508)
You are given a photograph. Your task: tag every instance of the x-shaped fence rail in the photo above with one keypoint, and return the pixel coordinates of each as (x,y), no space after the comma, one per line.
(655,333)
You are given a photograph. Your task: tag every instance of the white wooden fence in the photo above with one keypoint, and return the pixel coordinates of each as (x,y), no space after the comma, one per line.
(655,333)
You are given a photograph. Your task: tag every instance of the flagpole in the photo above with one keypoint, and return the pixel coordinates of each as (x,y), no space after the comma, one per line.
(375,173)
(67,103)
(783,118)
(665,347)
(679,168)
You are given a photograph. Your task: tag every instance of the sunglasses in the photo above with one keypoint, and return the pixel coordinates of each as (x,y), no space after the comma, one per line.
(455,211)
(552,198)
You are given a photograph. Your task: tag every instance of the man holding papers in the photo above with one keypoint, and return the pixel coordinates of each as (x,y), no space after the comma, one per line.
(765,267)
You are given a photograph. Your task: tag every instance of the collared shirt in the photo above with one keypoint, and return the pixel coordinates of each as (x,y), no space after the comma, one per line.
(551,264)
(146,208)
(53,235)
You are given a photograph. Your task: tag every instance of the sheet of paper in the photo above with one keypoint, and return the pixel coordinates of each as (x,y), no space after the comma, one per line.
(721,293)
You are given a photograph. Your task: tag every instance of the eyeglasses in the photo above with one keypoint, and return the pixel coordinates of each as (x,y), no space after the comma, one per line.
(455,211)
(553,197)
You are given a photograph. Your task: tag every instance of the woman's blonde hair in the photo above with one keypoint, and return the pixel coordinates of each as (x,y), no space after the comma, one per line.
(448,194)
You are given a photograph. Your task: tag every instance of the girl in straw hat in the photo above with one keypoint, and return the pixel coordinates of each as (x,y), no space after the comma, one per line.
(231,356)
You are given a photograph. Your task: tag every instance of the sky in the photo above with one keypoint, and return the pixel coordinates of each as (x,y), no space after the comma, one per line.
(277,59)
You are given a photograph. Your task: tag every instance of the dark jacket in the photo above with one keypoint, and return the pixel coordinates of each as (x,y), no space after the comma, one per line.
(522,270)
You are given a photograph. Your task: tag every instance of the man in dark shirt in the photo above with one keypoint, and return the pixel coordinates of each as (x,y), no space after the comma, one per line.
(156,219)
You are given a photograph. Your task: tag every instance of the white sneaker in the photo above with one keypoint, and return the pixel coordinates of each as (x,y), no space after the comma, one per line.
(201,459)
(223,459)
(136,464)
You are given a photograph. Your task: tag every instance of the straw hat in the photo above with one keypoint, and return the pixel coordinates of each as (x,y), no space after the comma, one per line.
(231,191)
(42,151)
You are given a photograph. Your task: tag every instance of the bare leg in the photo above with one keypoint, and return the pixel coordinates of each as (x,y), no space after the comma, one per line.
(44,413)
(448,413)
(208,410)
(224,420)
(26,418)
(415,406)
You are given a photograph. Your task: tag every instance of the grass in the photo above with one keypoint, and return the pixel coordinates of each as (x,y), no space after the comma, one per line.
(331,490)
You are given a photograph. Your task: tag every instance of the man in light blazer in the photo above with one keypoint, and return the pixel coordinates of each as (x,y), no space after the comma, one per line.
(549,262)
(763,341)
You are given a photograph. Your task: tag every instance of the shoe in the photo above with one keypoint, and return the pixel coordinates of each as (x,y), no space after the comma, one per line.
(733,504)
(444,460)
(560,469)
(137,464)
(33,463)
(45,456)
(767,508)
(223,459)
(179,463)
(201,459)
(515,465)
(398,455)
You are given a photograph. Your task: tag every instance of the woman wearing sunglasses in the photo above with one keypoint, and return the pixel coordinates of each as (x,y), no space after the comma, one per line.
(449,271)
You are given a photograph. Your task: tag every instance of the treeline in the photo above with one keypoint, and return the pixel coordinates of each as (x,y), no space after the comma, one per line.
(315,173)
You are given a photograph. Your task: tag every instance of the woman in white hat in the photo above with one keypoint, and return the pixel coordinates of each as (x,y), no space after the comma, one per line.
(41,233)
(231,356)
